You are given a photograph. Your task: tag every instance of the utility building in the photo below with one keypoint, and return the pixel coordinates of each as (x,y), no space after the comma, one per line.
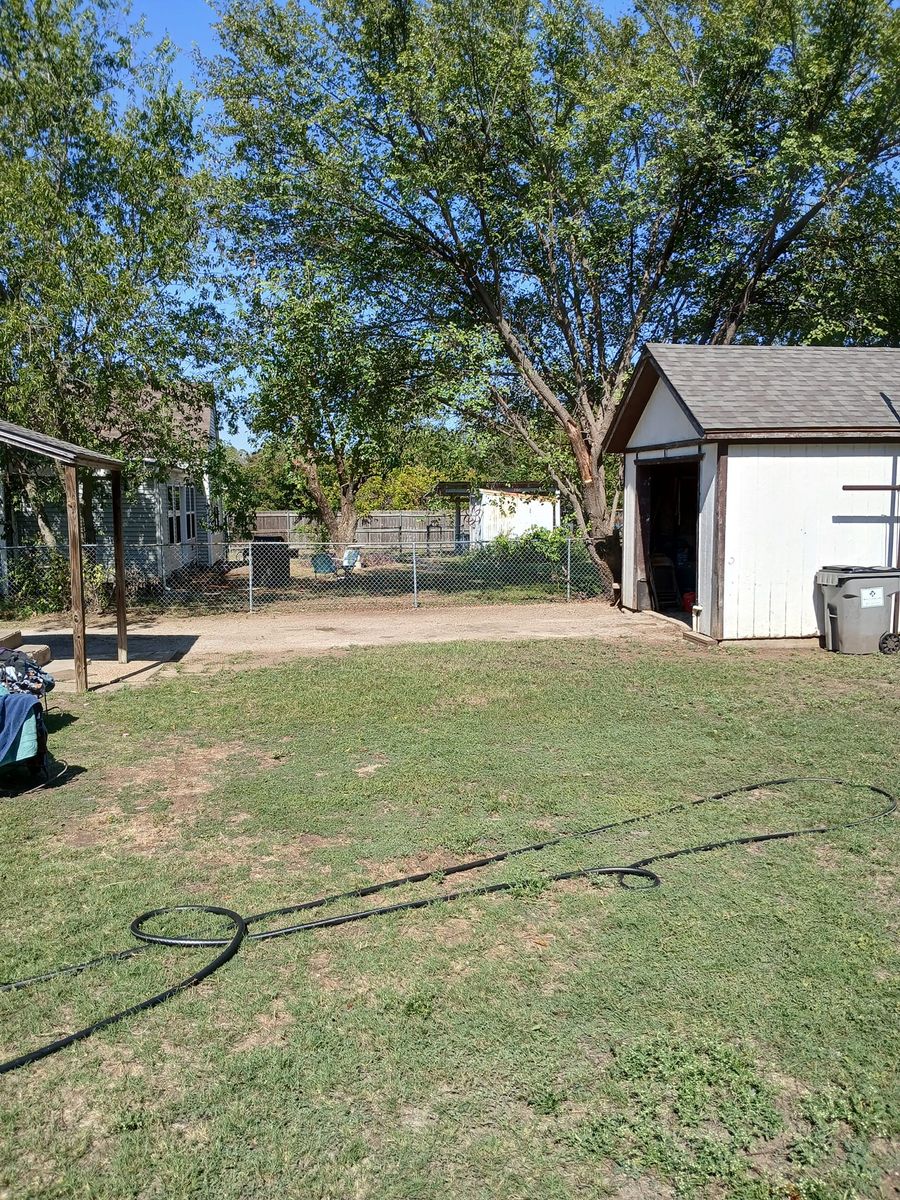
(747,468)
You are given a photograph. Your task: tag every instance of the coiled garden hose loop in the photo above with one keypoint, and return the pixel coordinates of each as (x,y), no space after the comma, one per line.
(242,931)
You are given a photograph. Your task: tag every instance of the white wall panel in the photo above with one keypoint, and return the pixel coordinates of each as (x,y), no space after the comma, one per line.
(629,518)
(787,515)
(510,514)
(663,420)
(706,536)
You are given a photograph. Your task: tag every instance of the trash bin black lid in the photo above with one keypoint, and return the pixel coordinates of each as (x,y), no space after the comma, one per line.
(857,570)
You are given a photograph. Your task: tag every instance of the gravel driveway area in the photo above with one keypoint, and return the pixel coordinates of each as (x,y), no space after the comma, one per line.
(203,643)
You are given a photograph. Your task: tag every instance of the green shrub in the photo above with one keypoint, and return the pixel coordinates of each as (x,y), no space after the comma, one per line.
(38,580)
(540,556)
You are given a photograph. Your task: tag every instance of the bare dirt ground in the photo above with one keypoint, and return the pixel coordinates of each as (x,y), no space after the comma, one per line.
(205,643)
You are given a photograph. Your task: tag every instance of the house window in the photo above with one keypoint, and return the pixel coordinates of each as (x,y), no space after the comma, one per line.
(173,494)
(190,514)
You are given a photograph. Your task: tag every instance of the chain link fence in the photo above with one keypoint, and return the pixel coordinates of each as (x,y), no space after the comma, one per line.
(277,576)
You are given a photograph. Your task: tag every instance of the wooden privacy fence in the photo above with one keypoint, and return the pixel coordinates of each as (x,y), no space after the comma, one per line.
(380,528)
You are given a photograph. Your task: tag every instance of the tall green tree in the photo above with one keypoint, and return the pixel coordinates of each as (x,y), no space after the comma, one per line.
(100,238)
(565,184)
(335,385)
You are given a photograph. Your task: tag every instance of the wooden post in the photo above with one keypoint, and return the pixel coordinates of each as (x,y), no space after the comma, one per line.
(77,584)
(119,553)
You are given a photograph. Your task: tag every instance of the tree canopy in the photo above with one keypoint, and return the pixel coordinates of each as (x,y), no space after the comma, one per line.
(567,185)
(336,384)
(103,331)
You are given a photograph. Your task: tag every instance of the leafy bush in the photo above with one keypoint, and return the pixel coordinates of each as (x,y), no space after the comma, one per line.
(37,581)
(540,555)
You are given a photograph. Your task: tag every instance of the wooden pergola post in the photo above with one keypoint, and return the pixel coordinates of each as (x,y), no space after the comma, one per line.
(70,457)
(73,516)
(119,552)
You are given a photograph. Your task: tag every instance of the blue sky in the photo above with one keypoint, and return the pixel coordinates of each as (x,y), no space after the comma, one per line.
(188,25)
(187,22)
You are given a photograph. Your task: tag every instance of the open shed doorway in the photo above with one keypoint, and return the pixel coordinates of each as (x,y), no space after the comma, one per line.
(668,505)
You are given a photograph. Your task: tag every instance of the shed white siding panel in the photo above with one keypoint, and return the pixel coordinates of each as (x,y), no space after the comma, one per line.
(662,421)
(629,518)
(706,537)
(787,515)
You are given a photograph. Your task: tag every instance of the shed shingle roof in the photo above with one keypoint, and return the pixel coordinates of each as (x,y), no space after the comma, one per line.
(770,390)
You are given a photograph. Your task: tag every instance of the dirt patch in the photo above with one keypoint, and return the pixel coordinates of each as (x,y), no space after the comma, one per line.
(367,769)
(269,1029)
(284,860)
(194,1132)
(117,1060)
(322,972)
(220,641)
(433,863)
(455,931)
(320,964)
(416,1118)
(535,940)
(886,892)
(826,856)
(74,1111)
(376,760)
(175,775)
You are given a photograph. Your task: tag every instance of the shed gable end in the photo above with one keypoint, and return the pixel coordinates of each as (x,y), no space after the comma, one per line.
(663,420)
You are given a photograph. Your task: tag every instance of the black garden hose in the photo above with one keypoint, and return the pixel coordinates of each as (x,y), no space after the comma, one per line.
(228,946)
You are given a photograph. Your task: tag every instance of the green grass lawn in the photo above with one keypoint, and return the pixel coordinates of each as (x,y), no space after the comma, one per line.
(733,1033)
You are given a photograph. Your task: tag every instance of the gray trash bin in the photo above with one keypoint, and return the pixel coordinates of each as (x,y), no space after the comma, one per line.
(858,604)
(271,562)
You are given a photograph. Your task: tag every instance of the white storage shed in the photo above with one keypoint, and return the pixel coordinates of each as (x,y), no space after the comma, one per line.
(747,468)
(496,511)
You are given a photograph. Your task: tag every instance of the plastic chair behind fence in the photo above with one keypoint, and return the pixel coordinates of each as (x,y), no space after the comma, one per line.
(323,564)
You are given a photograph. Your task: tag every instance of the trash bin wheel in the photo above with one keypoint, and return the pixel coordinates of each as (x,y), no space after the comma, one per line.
(889,643)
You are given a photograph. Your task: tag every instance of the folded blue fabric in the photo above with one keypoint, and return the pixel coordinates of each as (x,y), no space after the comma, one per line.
(15,709)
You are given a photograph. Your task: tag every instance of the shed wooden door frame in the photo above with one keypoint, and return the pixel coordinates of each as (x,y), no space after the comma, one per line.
(641,534)
(642,469)
(717,623)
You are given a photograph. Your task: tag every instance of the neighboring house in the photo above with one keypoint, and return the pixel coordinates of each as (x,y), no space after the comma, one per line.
(747,468)
(167,524)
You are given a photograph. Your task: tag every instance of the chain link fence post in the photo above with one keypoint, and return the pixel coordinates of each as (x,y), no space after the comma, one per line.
(415,577)
(250,572)
(569,569)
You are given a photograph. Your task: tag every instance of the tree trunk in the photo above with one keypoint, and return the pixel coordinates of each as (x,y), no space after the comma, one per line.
(36,502)
(594,520)
(347,519)
(87,509)
(341,524)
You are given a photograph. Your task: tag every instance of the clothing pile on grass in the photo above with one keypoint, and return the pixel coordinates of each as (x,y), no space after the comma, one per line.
(19,673)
